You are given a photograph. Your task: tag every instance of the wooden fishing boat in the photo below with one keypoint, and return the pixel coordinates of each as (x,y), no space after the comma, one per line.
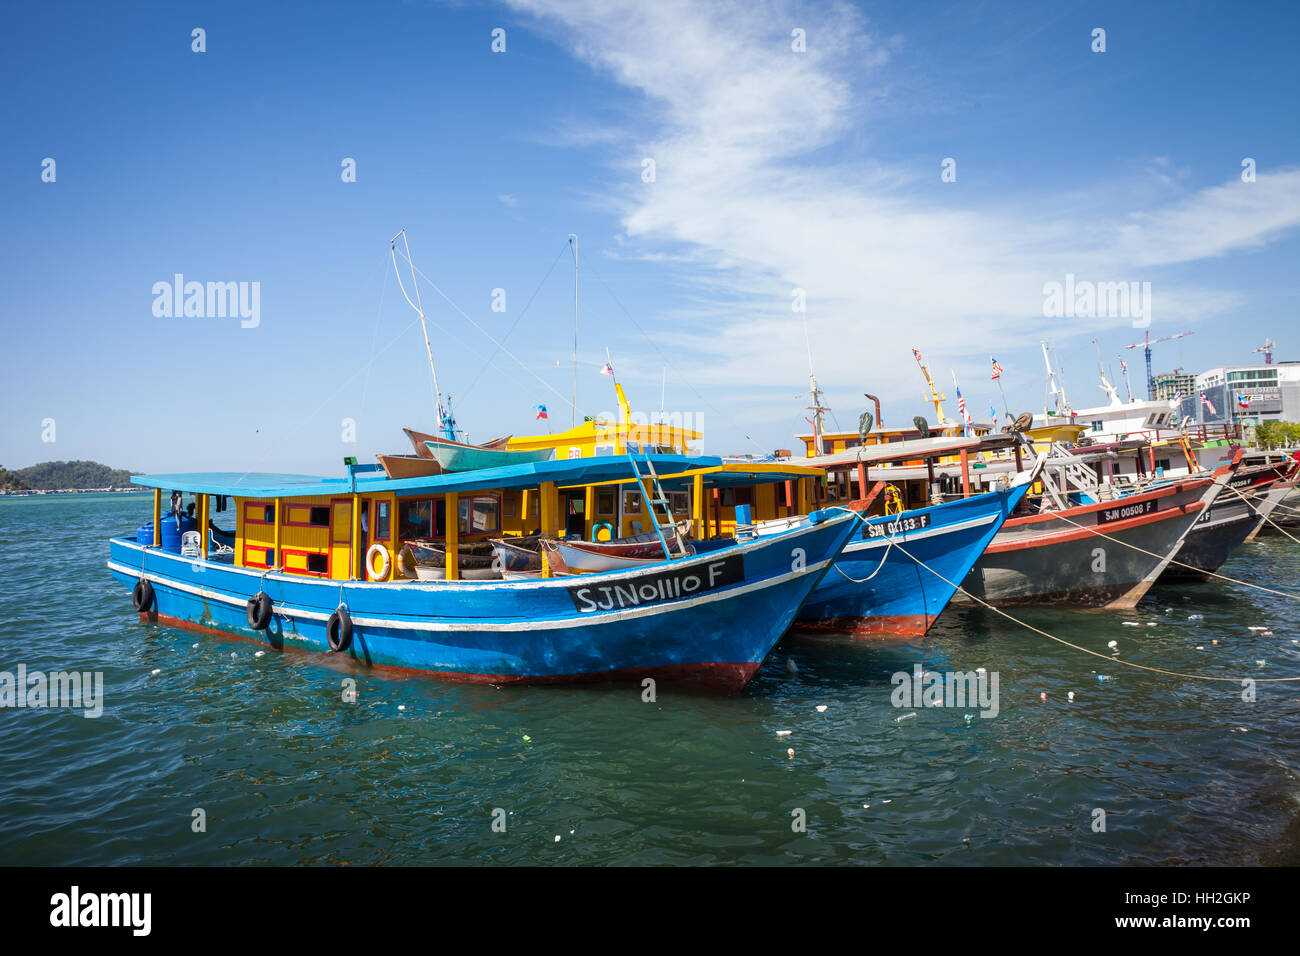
(1226,523)
(457,456)
(409,466)
(419,441)
(428,561)
(1098,554)
(629,552)
(712,617)
(521,553)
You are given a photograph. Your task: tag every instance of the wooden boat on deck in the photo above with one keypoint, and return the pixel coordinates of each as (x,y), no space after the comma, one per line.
(409,466)
(458,456)
(630,552)
(419,441)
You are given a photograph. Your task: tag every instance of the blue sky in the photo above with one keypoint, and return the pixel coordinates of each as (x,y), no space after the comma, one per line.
(775,170)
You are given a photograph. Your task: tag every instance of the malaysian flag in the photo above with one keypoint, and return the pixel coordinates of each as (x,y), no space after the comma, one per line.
(608,369)
(1208,404)
(997,369)
(961,406)
(917,353)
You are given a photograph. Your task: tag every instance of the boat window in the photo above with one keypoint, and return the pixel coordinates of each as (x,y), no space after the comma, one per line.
(381,520)
(1096,426)
(259,514)
(479,515)
(680,502)
(605,503)
(320,517)
(421,518)
(631,502)
(317,564)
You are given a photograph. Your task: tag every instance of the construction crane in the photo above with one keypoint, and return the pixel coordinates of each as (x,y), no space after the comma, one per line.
(1146,344)
(935,397)
(1267,348)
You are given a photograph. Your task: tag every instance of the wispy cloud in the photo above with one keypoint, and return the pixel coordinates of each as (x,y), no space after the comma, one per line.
(739,124)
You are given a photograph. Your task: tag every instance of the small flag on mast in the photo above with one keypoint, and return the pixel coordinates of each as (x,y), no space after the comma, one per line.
(993,413)
(997,369)
(1243,401)
(608,369)
(541,412)
(1208,404)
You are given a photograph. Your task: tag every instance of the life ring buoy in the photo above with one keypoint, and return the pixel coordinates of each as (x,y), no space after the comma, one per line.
(385,562)
(142,596)
(338,630)
(259,611)
(595,530)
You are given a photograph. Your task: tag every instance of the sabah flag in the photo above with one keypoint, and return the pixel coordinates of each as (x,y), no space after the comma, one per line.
(541,412)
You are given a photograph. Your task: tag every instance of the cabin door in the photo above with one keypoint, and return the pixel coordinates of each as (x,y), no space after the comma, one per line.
(340,537)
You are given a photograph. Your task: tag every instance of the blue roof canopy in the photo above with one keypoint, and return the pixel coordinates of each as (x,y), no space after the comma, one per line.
(572,471)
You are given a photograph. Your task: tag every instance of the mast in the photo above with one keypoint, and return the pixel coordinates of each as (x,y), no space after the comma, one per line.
(1106,387)
(1054,391)
(446,421)
(817,408)
(573,242)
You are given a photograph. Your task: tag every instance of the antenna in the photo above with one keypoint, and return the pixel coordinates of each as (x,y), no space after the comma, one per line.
(445,419)
(573,242)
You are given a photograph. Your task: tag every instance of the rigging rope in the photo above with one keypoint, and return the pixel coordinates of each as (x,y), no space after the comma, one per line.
(1059,640)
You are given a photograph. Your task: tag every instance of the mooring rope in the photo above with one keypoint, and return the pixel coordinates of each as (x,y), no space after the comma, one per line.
(1086,650)
(888,547)
(1278,527)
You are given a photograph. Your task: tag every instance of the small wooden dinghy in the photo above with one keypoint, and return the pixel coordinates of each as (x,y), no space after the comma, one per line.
(521,553)
(456,456)
(630,552)
(419,442)
(427,561)
(409,466)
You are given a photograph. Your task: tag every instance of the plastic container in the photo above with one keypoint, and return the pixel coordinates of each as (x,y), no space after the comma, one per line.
(172,529)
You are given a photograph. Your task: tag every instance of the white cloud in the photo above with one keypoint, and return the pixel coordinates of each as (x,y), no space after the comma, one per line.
(737,124)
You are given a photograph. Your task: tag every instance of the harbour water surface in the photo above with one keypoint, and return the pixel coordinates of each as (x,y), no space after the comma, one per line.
(415,771)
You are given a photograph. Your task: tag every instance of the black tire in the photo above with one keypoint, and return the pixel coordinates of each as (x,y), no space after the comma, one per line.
(142,596)
(339,631)
(259,611)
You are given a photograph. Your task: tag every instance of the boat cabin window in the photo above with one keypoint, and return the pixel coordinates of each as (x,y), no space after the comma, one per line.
(480,514)
(381,521)
(631,502)
(605,503)
(259,514)
(1096,426)
(320,517)
(318,564)
(679,501)
(421,518)
(737,496)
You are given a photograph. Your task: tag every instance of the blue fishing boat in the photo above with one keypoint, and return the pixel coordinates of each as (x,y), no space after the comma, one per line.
(295,577)
(903,566)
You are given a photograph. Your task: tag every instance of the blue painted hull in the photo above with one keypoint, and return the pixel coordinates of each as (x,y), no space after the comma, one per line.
(892,594)
(649,622)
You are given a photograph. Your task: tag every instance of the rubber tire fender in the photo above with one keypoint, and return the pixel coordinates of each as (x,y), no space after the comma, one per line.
(142,596)
(338,630)
(259,611)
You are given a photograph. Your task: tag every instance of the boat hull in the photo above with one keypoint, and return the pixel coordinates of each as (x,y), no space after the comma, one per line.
(1224,527)
(713,618)
(878,589)
(1045,559)
(454,457)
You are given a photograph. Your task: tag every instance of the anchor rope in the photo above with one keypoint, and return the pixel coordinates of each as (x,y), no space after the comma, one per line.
(1086,650)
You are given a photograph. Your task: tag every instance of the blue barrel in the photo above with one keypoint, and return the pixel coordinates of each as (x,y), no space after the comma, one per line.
(172,529)
(144,534)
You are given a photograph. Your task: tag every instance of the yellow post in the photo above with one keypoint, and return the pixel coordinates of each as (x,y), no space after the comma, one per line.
(157,517)
(452,538)
(524,502)
(697,507)
(588,507)
(203,526)
(625,413)
(356,531)
(549,522)
(278,562)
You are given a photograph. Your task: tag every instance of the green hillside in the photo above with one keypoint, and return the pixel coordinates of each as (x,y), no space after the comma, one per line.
(50,475)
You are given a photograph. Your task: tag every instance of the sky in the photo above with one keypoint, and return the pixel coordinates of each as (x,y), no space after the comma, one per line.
(915,174)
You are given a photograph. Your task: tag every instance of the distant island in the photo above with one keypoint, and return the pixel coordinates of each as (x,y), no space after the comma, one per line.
(55,476)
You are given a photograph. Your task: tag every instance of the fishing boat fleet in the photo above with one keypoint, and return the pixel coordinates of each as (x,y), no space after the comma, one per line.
(611,552)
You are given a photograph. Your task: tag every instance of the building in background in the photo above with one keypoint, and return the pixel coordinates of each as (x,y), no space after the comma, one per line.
(1166,385)
(1244,394)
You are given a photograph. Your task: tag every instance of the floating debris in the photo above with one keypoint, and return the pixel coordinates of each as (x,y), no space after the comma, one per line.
(260,654)
(1130,623)
(157,670)
(1113,645)
(784,733)
(1196,617)
(1200,647)
(790,666)
(1265,633)
(1256,628)
(899,720)
(527,739)
(1043,695)
(1070,696)
(790,753)
(1102,677)
(401,707)
(821,708)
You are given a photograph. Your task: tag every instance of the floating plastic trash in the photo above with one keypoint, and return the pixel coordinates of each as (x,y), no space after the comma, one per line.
(1113,645)
(899,720)
(790,666)
(790,753)
(1265,633)
(784,733)
(821,708)
(1130,623)
(157,670)
(1196,617)
(1043,695)
(260,654)
(1102,677)
(1070,696)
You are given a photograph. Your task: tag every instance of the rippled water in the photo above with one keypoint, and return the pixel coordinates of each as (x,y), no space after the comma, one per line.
(288,773)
